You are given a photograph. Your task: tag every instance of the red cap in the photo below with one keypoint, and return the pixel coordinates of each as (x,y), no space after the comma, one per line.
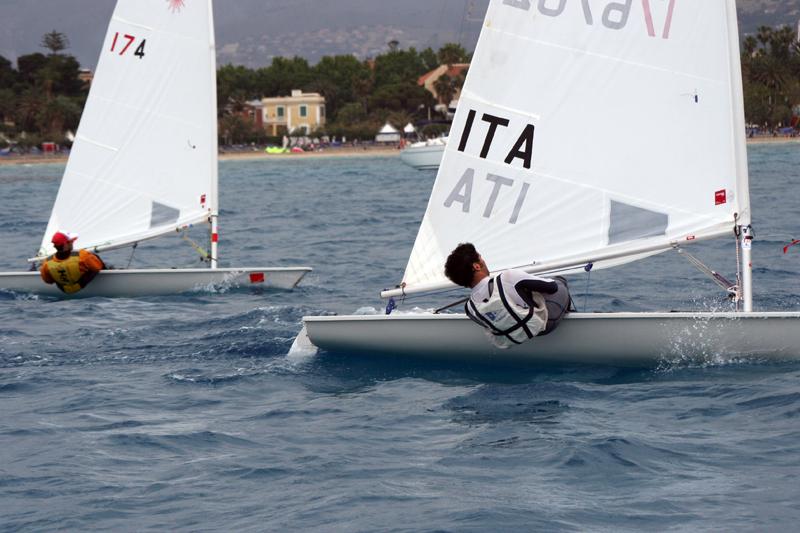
(61,239)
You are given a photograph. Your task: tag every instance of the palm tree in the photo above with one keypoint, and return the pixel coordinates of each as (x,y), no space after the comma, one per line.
(362,88)
(749,47)
(444,89)
(55,114)
(452,53)
(764,35)
(781,43)
(460,80)
(8,105)
(234,129)
(237,102)
(401,118)
(29,106)
(55,42)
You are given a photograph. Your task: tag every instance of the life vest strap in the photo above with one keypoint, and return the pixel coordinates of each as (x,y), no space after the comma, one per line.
(521,322)
(481,320)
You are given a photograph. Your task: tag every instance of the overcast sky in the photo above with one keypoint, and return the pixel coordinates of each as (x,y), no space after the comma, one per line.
(253,31)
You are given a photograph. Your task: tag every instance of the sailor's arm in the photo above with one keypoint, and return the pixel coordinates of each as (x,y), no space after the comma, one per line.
(525,283)
(91,265)
(91,262)
(537,285)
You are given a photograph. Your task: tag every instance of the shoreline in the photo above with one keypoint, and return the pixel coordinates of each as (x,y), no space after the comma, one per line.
(773,140)
(348,152)
(333,153)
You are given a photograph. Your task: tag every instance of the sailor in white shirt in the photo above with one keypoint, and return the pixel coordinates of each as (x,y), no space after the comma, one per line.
(512,306)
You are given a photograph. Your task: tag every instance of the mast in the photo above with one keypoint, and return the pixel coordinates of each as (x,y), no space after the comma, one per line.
(747,268)
(214,216)
(744,230)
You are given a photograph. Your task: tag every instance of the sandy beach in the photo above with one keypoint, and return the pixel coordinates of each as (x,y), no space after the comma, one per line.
(773,140)
(365,151)
(350,151)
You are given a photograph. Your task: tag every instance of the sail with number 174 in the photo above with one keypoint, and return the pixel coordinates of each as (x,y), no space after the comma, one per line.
(144,162)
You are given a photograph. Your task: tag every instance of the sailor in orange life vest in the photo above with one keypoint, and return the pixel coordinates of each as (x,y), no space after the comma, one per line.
(70,271)
(512,306)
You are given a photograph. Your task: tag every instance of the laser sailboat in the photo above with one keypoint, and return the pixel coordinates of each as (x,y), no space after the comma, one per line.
(144,162)
(548,170)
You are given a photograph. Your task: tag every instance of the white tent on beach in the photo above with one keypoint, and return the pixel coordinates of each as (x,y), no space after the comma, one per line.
(388,134)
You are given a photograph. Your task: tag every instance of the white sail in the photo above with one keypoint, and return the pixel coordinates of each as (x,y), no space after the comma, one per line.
(590,131)
(144,162)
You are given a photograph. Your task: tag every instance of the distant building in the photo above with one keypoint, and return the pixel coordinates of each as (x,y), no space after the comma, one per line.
(388,134)
(254,113)
(429,79)
(251,111)
(87,77)
(301,111)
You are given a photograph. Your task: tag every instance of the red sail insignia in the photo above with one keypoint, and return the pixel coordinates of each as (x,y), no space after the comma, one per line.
(176,5)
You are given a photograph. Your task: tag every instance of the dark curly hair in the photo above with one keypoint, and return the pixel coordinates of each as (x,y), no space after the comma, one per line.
(458,267)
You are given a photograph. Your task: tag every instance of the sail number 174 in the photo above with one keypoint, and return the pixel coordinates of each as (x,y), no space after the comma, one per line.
(122,43)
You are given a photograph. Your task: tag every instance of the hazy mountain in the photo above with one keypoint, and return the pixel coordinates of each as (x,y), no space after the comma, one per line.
(251,32)
(755,13)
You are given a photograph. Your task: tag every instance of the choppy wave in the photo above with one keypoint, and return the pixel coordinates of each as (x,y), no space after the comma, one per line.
(185,413)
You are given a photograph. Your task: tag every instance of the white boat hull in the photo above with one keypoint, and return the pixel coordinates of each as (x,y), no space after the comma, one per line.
(139,283)
(619,339)
(423,157)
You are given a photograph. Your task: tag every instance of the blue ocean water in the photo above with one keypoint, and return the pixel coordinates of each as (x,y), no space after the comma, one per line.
(186,414)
